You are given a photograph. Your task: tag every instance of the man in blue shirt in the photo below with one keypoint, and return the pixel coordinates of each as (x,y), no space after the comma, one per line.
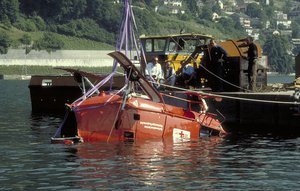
(187,76)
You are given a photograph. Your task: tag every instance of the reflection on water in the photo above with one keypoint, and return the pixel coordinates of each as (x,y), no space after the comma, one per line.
(29,162)
(145,165)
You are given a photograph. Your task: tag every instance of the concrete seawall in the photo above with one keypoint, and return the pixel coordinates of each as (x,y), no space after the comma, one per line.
(86,58)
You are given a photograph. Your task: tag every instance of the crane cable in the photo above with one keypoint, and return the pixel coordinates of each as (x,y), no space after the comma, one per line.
(231,97)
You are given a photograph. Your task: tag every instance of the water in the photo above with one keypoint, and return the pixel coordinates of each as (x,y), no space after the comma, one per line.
(280,78)
(29,162)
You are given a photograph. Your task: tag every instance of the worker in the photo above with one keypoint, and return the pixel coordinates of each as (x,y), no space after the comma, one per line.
(154,70)
(217,58)
(252,63)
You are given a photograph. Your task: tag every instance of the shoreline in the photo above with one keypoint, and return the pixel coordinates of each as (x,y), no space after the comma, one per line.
(14,77)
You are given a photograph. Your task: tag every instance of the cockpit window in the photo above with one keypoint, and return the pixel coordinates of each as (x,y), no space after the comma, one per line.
(177,44)
(185,44)
(155,45)
(148,45)
(159,45)
(172,46)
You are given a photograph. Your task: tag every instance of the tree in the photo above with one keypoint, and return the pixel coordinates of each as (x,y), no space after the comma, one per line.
(287,6)
(26,40)
(9,9)
(72,9)
(216,8)
(254,10)
(4,43)
(296,30)
(207,13)
(192,7)
(107,14)
(277,47)
(227,24)
(48,42)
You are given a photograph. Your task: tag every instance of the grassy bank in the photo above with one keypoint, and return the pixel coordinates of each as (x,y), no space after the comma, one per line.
(48,70)
(70,43)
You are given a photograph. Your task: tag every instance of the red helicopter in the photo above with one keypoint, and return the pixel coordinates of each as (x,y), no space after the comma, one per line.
(138,112)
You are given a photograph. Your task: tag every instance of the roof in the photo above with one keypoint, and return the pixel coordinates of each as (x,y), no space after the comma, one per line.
(177,35)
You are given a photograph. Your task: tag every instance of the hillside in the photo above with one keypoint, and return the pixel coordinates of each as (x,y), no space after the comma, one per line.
(70,42)
(94,24)
(90,24)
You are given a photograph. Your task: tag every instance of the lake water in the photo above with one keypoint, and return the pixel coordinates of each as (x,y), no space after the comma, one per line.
(29,162)
(277,78)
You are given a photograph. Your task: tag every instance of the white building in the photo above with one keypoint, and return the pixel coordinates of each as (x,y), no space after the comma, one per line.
(173,6)
(173,3)
(285,23)
(279,15)
(221,4)
(215,17)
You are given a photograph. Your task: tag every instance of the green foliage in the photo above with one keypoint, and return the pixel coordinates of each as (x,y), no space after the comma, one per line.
(24,24)
(4,43)
(192,7)
(269,11)
(94,21)
(35,23)
(6,22)
(26,39)
(146,23)
(39,23)
(287,6)
(71,9)
(277,47)
(86,28)
(216,8)
(206,13)
(48,42)
(48,70)
(107,14)
(254,10)
(9,9)
(296,30)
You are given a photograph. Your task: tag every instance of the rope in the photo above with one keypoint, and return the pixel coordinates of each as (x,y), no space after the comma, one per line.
(58,131)
(182,99)
(230,97)
(93,90)
(99,106)
(114,123)
(214,75)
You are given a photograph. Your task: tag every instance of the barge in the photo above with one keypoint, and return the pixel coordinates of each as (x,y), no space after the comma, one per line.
(262,111)
(50,93)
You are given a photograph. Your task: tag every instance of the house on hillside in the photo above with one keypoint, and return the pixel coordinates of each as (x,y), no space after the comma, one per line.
(282,21)
(171,6)
(200,3)
(244,20)
(173,3)
(221,4)
(215,17)
(251,1)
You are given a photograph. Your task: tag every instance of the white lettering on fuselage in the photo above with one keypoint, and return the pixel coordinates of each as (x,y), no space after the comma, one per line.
(149,125)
